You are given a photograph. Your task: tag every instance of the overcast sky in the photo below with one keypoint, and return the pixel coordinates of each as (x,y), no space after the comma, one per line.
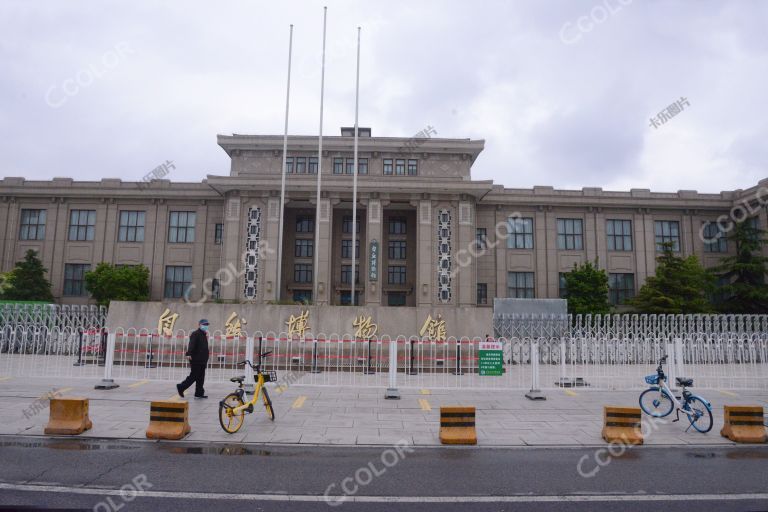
(563,92)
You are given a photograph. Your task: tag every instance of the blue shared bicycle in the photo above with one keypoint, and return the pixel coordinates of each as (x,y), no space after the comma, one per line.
(658,401)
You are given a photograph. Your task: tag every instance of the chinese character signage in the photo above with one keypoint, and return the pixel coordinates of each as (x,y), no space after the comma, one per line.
(373,261)
(166,322)
(233,325)
(433,328)
(491,358)
(298,324)
(365,328)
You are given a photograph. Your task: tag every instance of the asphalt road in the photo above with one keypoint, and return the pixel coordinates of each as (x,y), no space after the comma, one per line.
(88,475)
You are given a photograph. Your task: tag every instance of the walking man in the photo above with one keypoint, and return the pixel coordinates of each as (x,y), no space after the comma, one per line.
(197,355)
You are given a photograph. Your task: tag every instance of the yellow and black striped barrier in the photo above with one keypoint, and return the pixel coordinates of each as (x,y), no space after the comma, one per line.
(168,420)
(457,425)
(622,425)
(744,424)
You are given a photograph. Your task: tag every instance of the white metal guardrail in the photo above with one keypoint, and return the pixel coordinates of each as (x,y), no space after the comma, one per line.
(601,353)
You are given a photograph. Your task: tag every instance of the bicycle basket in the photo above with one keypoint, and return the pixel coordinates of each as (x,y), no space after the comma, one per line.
(270,376)
(652,379)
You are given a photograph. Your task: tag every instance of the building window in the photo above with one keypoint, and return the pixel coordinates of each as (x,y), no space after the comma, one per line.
(215,289)
(74,279)
(397,226)
(178,280)
(570,234)
(338,166)
(563,285)
(481,238)
(304,248)
(305,224)
(396,274)
(754,223)
(346,300)
(312,165)
(302,296)
(346,270)
(301,165)
(387,166)
(396,299)
(302,273)
(413,167)
(82,224)
(621,287)
(346,249)
(714,239)
(520,285)
(482,293)
(400,167)
(131,227)
(32,225)
(520,233)
(397,249)
(346,224)
(619,234)
(218,234)
(667,231)
(362,165)
(181,228)
(289,165)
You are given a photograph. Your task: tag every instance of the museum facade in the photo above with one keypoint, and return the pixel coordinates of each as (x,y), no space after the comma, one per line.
(427,234)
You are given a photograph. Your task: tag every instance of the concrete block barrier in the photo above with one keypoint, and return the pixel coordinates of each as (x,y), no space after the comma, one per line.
(622,425)
(68,416)
(744,424)
(168,420)
(457,425)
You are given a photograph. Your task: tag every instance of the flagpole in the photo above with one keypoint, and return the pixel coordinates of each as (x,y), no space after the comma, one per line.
(354,171)
(282,173)
(316,292)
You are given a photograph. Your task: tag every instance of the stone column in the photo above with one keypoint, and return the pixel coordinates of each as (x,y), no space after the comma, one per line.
(269,233)
(160,219)
(425,267)
(324,226)
(500,254)
(233,248)
(465,268)
(374,232)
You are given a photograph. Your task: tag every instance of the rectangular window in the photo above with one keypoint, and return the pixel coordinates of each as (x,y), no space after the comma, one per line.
(289,165)
(304,248)
(413,167)
(346,224)
(754,223)
(301,165)
(131,227)
(481,238)
(345,298)
(302,273)
(397,226)
(312,165)
(714,239)
(396,299)
(387,167)
(570,234)
(32,225)
(346,270)
(178,280)
(218,234)
(520,285)
(667,231)
(396,274)
(563,287)
(520,233)
(482,293)
(621,288)
(397,249)
(215,289)
(82,224)
(338,166)
(400,167)
(305,224)
(181,227)
(362,165)
(302,296)
(346,249)
(74,279)
(619,234)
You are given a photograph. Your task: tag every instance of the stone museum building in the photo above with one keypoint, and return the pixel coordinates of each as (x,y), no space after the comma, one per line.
(427,233)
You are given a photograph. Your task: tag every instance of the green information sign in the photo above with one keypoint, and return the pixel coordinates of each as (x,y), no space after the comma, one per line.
(491,358)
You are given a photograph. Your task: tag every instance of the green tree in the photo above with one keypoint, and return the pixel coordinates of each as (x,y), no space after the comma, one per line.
(680,286)
(108,282)
(27,281)
(744,289)
(586,288)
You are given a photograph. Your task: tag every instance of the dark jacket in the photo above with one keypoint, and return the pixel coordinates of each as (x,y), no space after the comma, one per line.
(198,347)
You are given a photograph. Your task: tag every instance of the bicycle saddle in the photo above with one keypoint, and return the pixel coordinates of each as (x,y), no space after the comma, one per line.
(684,381)
(238,379)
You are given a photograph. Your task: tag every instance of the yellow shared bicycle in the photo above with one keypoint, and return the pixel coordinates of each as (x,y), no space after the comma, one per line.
(233,408)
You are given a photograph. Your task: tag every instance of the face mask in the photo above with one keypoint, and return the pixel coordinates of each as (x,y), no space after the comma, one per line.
(204,328)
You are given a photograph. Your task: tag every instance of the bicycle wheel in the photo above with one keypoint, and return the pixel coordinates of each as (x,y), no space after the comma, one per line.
(268,404)
(655,403)
(702,419)
(231,422)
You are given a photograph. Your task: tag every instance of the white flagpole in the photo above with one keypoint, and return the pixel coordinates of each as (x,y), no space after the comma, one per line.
(282,180)
(354,171)
(316,292)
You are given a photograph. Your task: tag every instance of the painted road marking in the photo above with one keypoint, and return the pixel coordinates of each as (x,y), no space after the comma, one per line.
(570,393)
(137,384)
(299,402)
(389,499)
(728,393)
(424,403)
(426,392)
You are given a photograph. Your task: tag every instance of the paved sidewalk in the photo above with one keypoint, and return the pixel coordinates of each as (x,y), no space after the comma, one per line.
(359,416)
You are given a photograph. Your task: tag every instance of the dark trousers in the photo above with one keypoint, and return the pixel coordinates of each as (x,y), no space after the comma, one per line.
(196,375)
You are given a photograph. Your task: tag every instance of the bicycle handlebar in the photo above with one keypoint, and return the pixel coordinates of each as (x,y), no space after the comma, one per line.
(250,363)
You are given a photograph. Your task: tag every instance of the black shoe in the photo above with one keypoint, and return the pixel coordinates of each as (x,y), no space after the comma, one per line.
(179,391)
(201,396)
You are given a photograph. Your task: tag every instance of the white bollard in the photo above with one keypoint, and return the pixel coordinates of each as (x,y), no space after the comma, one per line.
(107,382)
(392,392)
(535,393)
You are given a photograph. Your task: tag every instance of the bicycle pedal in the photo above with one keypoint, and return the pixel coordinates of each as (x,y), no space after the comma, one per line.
(249,410)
